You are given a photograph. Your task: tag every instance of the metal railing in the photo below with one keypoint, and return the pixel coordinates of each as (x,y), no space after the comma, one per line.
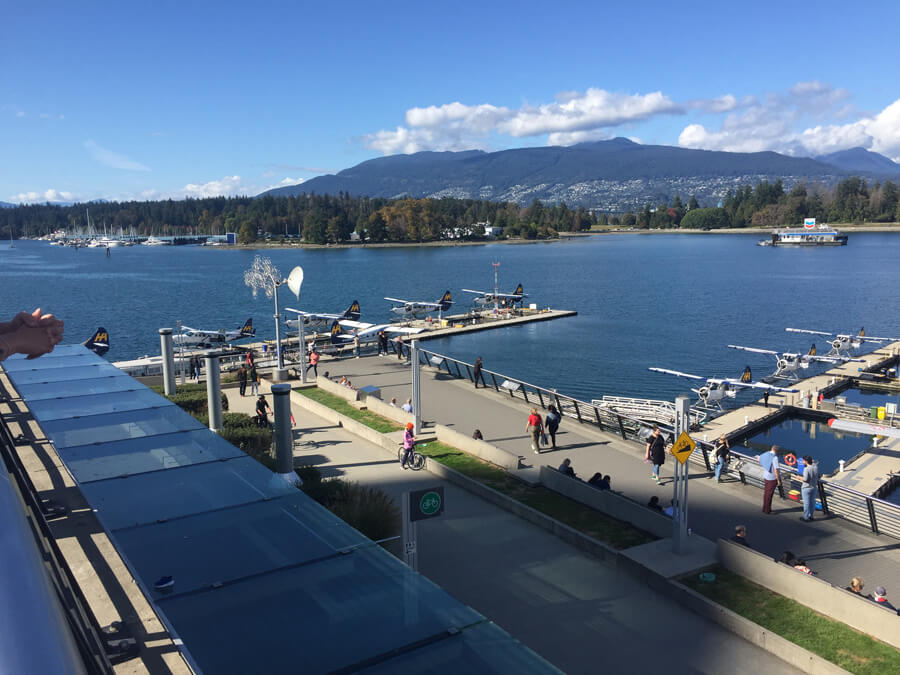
(662,412)
(881,516)
(81,622)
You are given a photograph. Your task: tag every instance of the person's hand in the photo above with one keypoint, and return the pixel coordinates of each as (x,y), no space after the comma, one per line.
(52,325)
(33,341)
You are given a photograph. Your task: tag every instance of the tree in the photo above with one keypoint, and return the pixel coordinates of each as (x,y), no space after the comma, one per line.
(247,233)
(704,219)
(693,204)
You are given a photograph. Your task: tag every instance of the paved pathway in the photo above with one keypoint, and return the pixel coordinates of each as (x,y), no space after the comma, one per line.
(835,548)
(566,605)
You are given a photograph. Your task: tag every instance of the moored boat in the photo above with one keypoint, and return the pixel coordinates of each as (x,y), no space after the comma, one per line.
(806,236)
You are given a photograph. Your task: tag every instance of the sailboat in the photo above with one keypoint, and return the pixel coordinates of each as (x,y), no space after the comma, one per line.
(11,245)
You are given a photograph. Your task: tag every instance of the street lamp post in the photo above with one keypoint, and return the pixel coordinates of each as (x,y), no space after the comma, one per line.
(264,276)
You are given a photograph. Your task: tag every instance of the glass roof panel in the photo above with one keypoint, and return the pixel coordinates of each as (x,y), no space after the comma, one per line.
(95,385)
(97,404)
(115,459)
(333,613)
(232,544)
(59,350)
(162,495)
(63,374)
(84,359)
(118,426)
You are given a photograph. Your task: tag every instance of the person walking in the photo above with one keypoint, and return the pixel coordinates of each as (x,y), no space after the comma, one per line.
(313,363)
(722,454)
(535,427)
(409,443)
(552,424)
(656,453)
(766,397)
(356,345)
(769,462)
(254,380)
(242,379)
(382,343)
(400,348)
(477,374)
(809,487)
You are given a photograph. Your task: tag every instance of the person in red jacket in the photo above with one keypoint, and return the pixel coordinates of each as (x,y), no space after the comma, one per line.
(535,427)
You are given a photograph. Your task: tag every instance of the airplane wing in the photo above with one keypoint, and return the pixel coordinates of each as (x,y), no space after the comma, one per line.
(313,315)
(810,332)
(832,359)
(386,327)
(757,385)
(676,373)
(210,333)
(863,428)
(403,330)
(754,350)
(357,325)
(402,302)
(469,290)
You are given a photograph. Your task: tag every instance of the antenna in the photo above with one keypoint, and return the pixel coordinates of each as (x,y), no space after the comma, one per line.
(496,290)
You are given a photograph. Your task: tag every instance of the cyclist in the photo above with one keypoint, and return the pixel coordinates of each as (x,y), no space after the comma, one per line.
(409,444)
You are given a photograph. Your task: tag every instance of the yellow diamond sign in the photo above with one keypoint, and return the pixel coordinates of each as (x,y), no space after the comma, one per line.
(683,447)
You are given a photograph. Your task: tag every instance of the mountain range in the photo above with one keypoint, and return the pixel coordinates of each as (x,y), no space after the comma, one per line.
(614,175)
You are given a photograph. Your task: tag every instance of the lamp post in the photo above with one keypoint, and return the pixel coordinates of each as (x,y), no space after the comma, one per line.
(264,276)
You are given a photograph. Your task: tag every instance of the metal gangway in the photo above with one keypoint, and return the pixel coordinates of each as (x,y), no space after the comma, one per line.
(650,410)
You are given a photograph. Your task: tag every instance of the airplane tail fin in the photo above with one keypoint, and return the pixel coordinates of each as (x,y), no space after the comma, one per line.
(336,332)
(98,342)
(812,350)
(862,332)
(247,328)
(746,376)
(445,301)
(519,291)
(352,312)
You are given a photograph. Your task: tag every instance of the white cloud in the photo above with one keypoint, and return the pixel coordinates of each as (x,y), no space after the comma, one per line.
(572,118)
(720,104)
(50,195)
(113,159)
(21,113)
(227,186)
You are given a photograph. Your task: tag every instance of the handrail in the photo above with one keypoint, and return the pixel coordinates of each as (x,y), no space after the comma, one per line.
(624,425)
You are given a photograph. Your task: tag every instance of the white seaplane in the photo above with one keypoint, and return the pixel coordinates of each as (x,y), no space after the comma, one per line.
(412,309)
(841,342)
(503,299)
(787,363)
(715,390)
(366,332)
(315,320)
(195,337)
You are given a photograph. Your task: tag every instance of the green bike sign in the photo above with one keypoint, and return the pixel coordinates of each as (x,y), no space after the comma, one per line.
(426,504)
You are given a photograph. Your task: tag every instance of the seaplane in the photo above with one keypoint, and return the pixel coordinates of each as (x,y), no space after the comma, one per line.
(98,342)
(410,309)
(315,320)
(195,337)
(841,343)
(366,332)
(716,390)
(503,299)
(787,363)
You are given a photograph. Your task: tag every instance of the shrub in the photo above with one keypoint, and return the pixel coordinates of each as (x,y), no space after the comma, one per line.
(368,509)
(254,441)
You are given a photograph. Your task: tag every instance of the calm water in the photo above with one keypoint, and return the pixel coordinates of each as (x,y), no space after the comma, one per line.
(868,398)
(667,300)
(803,437)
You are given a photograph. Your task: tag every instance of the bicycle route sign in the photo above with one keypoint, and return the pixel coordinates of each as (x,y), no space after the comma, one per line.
(683,447)
(425,504)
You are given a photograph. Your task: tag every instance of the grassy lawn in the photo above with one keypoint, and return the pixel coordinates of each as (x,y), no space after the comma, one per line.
(832,640)
(338,404)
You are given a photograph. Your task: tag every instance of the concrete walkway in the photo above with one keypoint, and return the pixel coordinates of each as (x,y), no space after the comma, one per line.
(835,549)
(566,605)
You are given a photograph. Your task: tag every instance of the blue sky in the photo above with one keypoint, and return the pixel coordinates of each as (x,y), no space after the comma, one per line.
(173,99)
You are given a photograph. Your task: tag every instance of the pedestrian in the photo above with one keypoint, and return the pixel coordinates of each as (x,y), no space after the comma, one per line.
(535,427)
(740,535)
(356,345)
(477,374)
(566,468)
(393,402)
(856,586)
(656,453)
(242,379)
(552,424)
(407,407)
(262,411)
(399,345)
(477,435)
(766,397)
(409,442)
(769,462)
(192,365)
(382,346)
(722,455)
(313,363)
(880,597)
(654,504)
(809,487)
(254,380)
(595,480)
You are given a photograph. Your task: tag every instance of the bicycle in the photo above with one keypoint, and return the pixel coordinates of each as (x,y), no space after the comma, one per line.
(416,460)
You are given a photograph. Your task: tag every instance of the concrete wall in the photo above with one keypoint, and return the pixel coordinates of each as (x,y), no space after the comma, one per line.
(482,449)
(351,425)
(608,502)
(817,594)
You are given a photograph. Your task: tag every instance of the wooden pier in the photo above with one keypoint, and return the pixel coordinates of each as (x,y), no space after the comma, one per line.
(872,472)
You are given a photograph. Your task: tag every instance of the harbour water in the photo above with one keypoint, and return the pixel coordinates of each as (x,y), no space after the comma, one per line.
(674,301)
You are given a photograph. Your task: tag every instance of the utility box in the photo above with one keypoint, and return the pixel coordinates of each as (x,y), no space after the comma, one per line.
(369,390)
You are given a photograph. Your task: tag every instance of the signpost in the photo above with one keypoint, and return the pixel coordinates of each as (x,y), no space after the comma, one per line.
(418,505)
(682,448)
